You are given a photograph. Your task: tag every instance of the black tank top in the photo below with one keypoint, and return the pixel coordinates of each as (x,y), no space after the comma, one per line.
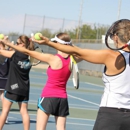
(18,79)
(4,69)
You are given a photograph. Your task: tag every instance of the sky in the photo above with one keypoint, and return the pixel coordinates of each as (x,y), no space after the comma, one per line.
(13,12)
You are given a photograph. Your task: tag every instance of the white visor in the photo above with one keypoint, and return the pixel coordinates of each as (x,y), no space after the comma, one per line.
(59,40)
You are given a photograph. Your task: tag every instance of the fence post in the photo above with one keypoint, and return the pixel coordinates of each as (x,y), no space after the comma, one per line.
(24,23)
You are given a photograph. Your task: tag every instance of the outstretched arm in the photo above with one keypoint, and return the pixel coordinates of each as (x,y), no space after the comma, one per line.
(37,55)
(6,53)
(93,56)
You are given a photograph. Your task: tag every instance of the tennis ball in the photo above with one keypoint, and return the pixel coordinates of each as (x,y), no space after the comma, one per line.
(1,36)
(36,36)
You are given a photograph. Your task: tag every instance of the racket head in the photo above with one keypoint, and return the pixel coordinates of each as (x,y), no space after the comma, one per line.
(35,61)
(111,32)
(75,73)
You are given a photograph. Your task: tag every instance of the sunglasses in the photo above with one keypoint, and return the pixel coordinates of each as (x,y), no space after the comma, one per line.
(111,35)
(55,41)
(18,43)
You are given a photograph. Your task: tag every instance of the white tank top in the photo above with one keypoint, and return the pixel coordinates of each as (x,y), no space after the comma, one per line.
(117,87)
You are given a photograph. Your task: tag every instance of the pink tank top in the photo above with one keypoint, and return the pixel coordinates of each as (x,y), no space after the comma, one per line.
(57,80)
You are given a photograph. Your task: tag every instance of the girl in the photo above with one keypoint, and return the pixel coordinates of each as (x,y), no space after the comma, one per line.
(53,99)
(114,111)
(18,83)
(4,70)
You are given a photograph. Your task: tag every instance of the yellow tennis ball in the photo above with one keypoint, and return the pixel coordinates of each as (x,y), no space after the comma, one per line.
(36,36)
(1,36)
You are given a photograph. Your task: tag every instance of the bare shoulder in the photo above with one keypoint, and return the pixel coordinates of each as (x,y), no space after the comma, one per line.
(111,55)
(109,52)
(53,58)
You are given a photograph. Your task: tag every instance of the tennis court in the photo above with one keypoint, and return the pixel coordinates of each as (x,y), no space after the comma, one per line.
(83,103)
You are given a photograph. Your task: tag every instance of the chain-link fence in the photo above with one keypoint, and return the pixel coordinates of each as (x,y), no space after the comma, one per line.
(34,23)
(85,68)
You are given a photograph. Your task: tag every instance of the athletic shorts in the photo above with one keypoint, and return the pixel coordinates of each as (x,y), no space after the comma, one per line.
(2,84)
(14,97)
(54,106)
(112,119)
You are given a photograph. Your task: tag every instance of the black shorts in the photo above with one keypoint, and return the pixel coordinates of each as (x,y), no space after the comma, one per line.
(112,119)
(2,84)
(54,106)
(15,98)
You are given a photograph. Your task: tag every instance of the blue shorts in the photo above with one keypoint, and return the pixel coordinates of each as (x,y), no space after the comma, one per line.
(15,98)
(54,106)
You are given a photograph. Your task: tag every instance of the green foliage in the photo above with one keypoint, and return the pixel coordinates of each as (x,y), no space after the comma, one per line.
(88,32)
(45,32)
(84,32)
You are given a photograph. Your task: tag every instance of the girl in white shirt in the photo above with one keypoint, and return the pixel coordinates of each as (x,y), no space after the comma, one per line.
(114,111)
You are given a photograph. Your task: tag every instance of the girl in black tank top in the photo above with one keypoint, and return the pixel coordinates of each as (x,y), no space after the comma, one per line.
(18,82)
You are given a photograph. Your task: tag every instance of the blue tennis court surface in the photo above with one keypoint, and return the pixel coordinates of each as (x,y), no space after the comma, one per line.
(83,104)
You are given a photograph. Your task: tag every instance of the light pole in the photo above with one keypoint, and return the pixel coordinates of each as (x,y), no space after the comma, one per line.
(119,9)
(79,22)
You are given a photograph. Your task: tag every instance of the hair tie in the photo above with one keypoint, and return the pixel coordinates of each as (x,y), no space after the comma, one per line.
(30,39)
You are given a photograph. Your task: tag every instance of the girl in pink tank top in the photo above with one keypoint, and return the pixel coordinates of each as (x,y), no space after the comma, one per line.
(53,99)
(56,83)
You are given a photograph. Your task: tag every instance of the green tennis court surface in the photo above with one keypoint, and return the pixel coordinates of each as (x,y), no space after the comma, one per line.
(83,103)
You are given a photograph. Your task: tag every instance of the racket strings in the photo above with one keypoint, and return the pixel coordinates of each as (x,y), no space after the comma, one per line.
(75,73)
(35,61)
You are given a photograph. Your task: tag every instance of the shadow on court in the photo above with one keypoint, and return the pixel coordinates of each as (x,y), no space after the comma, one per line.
(20,122)
(17,110)
(83,104)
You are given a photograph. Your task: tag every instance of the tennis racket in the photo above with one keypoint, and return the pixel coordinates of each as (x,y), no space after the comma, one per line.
(110,34)
(35,61)
(75,72)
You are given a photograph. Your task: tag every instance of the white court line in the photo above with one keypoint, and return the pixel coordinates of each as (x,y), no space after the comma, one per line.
(78,124)
(82,105)
(75,106)
(79,99)
(80,81)
(83,100)
(18,113)
(52,116)
(93,84)
(78,107)
(35,101)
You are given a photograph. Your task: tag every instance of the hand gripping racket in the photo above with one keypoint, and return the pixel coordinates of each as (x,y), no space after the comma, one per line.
(75,72)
